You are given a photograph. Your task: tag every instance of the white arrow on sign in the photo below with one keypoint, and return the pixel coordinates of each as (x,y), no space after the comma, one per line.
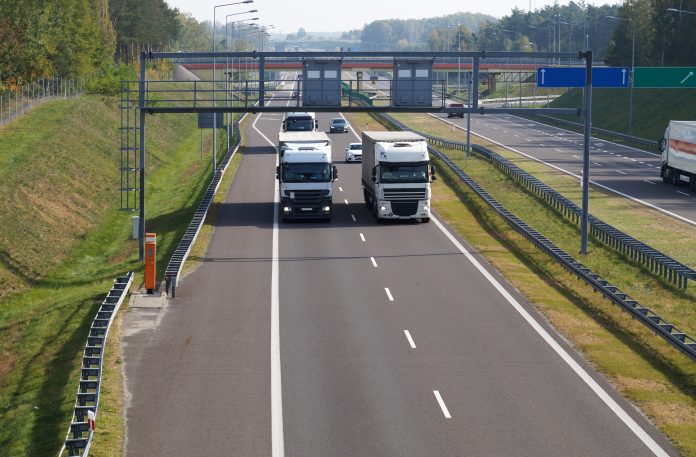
(542,75)
(623,76)
(691,73)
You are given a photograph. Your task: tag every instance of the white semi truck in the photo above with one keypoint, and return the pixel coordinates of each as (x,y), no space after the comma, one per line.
(306,175)
(396,175)
(679,153)
(300,122)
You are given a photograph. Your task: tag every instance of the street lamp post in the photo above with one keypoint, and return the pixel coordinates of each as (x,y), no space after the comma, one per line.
(214,90)
(548,29)
(227,67)
(630,81)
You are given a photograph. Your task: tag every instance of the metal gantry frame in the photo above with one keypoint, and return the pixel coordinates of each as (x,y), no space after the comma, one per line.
(135,136)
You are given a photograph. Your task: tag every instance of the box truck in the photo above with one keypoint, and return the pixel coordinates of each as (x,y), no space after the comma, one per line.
(306,175)
(678,149)
(396,175)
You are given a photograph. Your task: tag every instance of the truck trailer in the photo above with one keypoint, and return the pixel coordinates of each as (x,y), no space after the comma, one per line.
(396,175)
(678,149)
(305,174)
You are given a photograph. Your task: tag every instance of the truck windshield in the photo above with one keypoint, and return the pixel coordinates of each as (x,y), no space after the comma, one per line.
(307,172)
(403,172)
(299,124)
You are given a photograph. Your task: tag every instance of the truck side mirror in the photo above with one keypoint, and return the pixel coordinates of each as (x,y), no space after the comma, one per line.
(662,145)
(284,126)
(374,174)
(316,124)
(335,173)
(278,172)
(432,173)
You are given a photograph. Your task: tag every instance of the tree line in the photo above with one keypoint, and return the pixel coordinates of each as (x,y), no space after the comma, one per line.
(76,38)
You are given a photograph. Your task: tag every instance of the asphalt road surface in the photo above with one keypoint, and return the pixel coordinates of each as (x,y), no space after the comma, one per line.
(622,169)
(356,338)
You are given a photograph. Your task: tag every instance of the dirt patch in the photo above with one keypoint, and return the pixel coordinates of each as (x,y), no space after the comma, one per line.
(625,382)
(670,413)
(8,358)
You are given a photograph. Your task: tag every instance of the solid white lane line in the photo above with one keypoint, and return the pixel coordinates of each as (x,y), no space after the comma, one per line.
(340,189)
(410,340)
(277,443)
(562,353)
(362,237)
(374,262)
(683,193)
(352,216)
(389,295)
(619,171)
(345,200)
(441,402)
(648,181)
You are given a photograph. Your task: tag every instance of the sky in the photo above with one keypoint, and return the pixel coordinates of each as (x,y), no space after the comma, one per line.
(342,15)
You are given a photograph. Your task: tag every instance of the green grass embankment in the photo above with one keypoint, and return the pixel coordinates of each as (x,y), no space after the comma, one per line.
(64,240)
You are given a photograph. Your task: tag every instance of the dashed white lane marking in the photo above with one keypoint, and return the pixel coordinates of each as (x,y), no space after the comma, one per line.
(374,262)
(516,135)
(557,150)
(340,188)
(542,145)
(345,200)
(410,340)
(596,164)
(683,193)
(352,216)
(442,404)
(619,171)
(362,237)
(577,157)
(562,353)
(389,295)
(648,181)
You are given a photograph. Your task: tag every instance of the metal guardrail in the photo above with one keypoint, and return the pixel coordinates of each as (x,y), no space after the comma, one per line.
(79,437)
(647,145)
(646,316)
(181,253)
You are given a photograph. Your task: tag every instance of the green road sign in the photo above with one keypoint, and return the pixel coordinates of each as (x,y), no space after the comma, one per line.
(665,77)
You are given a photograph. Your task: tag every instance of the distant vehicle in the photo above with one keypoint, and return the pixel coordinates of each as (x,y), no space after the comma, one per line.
(678,149)
(300,122)
(354,152)
(456,105)
(338,124)
(396,175)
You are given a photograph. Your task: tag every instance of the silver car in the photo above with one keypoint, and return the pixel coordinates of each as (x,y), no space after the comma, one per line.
(354,152)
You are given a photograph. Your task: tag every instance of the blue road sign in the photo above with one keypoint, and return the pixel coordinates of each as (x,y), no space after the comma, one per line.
(575,77)
(610,77)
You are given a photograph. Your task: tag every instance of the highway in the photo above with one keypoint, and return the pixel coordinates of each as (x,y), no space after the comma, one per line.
(356,338)
(624,170)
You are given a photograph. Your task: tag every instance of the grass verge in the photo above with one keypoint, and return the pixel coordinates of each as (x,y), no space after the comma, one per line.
(44,324)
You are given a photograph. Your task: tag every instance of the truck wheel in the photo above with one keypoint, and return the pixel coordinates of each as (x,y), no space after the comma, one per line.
(375,210)
(667,176)
(675,178)
(366,196)
(425,220)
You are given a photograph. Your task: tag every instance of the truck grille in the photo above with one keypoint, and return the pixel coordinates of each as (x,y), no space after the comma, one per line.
(404,208)
(398,194)
(308,197)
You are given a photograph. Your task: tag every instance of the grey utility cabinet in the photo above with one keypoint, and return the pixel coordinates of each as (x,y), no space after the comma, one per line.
(321,80)
(413,82)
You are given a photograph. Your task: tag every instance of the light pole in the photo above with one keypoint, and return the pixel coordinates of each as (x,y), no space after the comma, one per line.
(214,97)
(548,29)
(227,67)
(459,59)
(675,10)
(507,69)
(630,81)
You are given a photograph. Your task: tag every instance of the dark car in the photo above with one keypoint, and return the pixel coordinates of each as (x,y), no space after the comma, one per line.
(338,124)
(455,105)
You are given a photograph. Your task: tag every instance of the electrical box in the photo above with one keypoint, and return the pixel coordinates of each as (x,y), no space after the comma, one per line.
(150,263)
(321,82)
(413,82)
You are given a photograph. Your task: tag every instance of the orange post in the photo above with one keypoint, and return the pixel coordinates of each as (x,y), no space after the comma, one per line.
(150,266)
